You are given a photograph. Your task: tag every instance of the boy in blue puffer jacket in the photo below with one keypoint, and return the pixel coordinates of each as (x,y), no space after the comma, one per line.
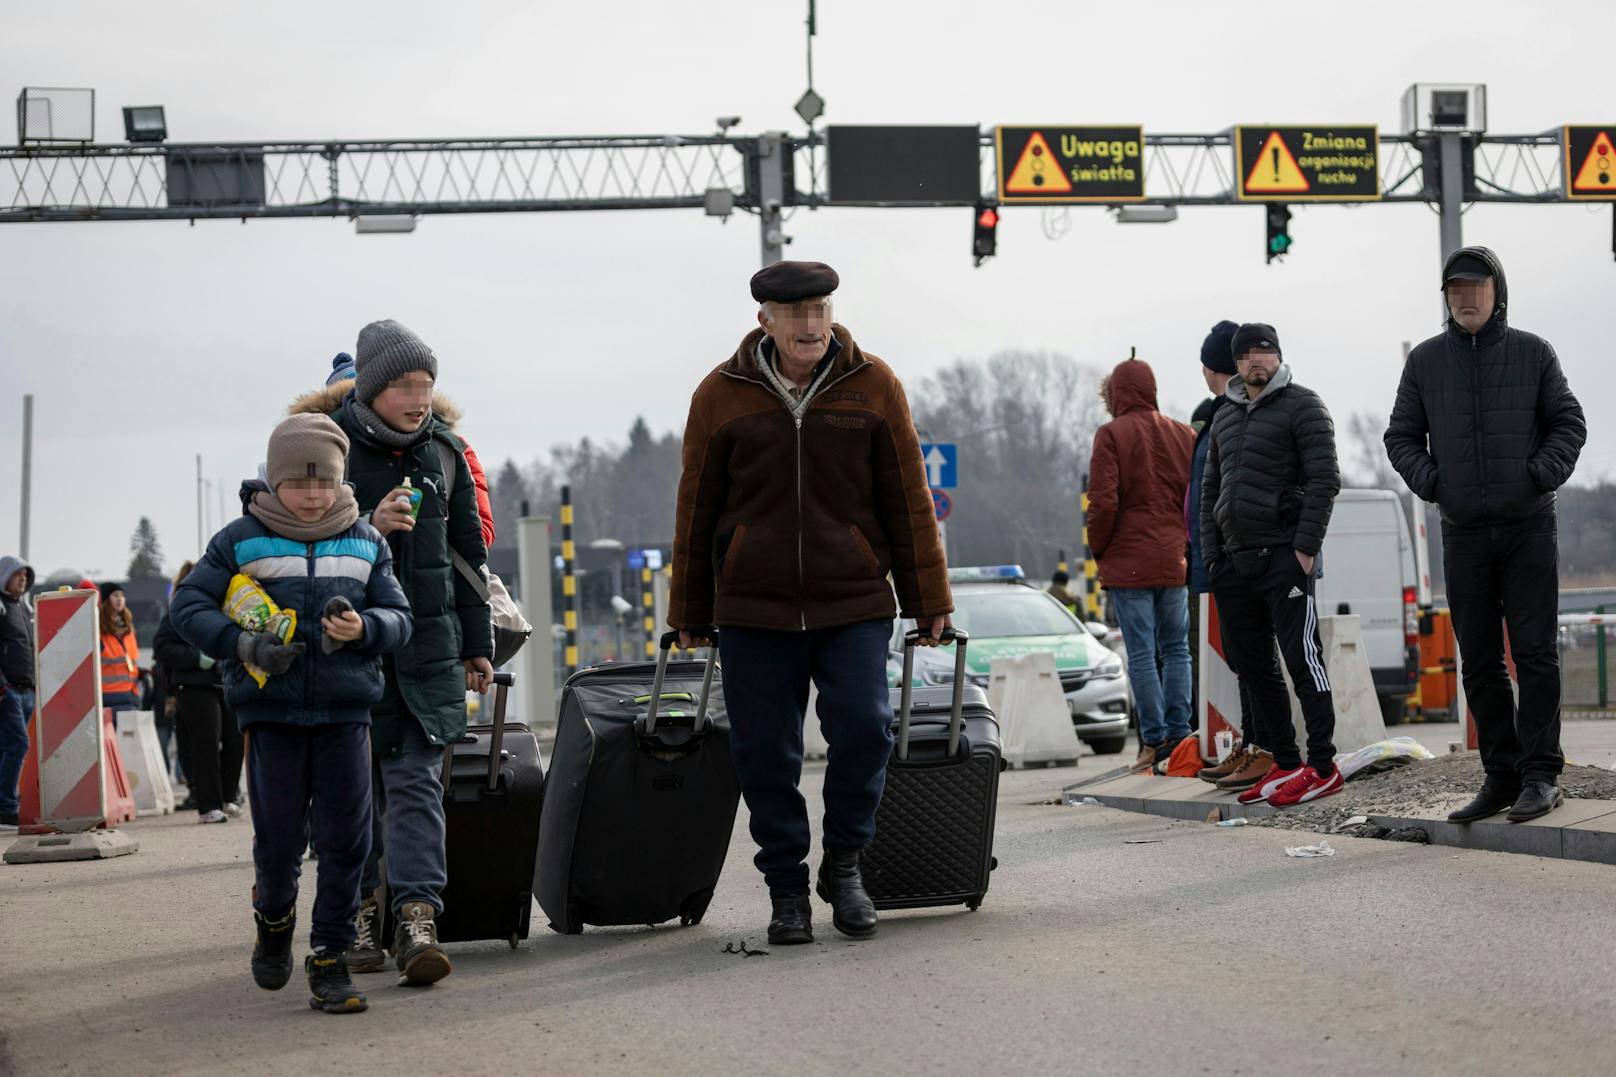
(308,726)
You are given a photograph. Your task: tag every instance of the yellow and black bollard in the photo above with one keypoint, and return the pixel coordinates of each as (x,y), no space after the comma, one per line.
(569,581)
(648,605)
(1091,568)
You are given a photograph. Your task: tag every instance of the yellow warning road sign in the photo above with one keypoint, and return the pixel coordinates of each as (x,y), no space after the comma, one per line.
(1036,171)
(1275,170)
(1590,162)
(1307,164)
(1055,163)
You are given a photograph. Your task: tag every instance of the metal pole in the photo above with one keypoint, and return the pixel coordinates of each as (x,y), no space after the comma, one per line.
(1604,687)
(771,151)
(27,470)
(201,537)
(538,657)
(1452,148)
(569,581)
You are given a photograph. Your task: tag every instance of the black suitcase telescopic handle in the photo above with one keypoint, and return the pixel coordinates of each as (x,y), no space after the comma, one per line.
(496,740)
(496,745)
(664,648)
(956,719)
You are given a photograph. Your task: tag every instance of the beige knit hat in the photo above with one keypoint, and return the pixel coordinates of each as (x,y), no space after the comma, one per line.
(306,447)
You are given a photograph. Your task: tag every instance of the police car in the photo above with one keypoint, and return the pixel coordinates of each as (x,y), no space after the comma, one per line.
(1006,617)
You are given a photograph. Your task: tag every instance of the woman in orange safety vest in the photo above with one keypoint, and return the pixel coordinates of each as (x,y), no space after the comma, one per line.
(120,653)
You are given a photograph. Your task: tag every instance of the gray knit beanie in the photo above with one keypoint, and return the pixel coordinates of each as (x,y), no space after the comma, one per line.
(388,351)
(306,447)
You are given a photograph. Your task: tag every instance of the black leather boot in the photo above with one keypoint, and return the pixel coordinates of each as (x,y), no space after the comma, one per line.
(1495,796)
(1536,799)
(792,922)
(840,884)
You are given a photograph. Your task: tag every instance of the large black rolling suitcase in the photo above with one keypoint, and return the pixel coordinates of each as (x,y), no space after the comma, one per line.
(493,795)
(642,795)
(934,829)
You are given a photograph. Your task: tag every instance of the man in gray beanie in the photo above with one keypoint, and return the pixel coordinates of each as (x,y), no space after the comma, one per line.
(410,474)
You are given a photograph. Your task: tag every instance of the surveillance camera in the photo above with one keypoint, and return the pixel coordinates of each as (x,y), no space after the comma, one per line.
(620,605)
(726,122)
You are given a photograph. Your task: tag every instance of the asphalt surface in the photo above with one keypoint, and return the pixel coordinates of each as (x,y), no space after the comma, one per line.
(1203,950)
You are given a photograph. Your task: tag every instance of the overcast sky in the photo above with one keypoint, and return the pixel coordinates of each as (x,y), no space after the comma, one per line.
(145,343)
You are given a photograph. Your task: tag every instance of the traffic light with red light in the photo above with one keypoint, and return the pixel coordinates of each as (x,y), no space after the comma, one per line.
(985,236)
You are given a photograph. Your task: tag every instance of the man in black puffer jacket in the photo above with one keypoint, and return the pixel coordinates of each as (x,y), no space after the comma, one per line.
(1266,495)
(1486,426)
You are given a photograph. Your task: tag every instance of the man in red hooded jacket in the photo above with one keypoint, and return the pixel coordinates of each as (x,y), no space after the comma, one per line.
(1138,474)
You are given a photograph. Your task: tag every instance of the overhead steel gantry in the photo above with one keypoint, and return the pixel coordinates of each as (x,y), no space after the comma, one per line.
(763,174)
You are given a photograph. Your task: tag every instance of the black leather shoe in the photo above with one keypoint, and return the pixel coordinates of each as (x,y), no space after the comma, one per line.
(1537,799)
(1494,797)
(792,922)
(840,884)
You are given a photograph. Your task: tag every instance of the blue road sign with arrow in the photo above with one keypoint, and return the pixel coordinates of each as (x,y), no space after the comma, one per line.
(941,460)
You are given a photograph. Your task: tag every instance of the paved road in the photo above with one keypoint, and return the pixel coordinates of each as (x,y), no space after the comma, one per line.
(1206,951)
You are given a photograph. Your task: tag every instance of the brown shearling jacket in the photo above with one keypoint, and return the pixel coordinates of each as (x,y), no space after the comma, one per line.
(793,527)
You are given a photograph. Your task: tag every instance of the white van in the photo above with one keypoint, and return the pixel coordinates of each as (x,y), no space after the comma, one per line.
(1369,570)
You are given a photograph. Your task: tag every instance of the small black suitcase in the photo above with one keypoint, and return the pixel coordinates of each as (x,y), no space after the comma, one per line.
(493,796)
(642,795)
(934,828)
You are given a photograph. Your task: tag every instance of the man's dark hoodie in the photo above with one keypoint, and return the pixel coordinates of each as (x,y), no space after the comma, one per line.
(1485,424)
(16,627)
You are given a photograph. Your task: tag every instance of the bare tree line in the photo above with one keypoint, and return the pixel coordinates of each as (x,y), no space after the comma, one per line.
(1024,422)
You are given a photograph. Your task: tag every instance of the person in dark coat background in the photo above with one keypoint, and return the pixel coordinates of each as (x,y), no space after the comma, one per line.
(1486,426)
(211,741)
(1249,761)
(1269,489)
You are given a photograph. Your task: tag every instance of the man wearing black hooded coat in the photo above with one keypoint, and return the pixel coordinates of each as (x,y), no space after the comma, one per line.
(1486,426)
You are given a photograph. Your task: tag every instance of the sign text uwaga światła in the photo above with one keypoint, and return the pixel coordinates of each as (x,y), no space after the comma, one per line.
(1307,164)
(1052,164)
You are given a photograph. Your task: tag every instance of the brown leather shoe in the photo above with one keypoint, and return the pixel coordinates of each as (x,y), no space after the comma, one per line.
(1234,762)
(1258,762)
(1145,761)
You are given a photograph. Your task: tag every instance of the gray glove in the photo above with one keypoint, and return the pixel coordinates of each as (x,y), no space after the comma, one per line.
(335,608)
(267,653)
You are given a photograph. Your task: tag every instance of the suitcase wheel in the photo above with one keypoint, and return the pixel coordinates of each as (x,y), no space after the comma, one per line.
(514,939)
(569,928)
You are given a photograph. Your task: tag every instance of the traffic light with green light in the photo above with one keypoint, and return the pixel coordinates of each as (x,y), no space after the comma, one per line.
(1279,231)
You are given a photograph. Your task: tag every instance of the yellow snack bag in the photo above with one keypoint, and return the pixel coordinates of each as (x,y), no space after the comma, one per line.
(250,606)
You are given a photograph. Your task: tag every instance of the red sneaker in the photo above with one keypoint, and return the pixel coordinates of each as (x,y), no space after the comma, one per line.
(1276,777)
(1306,785)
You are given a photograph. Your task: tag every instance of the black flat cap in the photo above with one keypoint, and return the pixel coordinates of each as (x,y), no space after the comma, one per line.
(787,282)
(1468,267)
(1254,335)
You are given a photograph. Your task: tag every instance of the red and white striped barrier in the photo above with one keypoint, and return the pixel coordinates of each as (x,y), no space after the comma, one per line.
(71,743)
(1220,689)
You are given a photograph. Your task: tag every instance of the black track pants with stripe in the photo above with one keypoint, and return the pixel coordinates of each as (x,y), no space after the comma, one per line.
(1264,595)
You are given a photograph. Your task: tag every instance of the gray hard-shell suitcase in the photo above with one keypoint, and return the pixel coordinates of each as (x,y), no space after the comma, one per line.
(934,828)
(641,798)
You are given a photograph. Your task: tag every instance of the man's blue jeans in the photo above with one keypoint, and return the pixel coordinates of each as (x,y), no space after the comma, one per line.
(1156,625)
(407,792)
(16,708)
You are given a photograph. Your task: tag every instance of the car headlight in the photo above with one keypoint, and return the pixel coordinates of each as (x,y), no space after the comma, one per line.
(936,675)
(1110,669)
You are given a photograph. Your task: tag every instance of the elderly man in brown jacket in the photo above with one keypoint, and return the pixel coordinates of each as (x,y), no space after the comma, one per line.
(803,490)
(1138,475)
